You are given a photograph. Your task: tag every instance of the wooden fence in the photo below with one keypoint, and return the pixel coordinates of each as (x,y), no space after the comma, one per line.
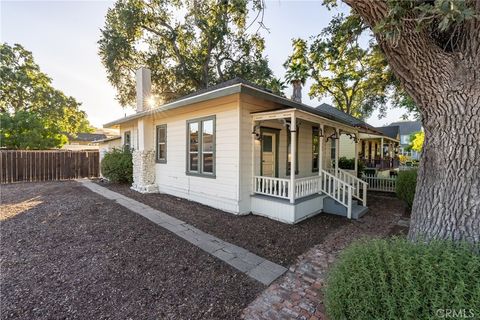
(47,165)
(380,184)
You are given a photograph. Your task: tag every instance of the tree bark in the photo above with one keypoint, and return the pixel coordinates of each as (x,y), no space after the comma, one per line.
(446,88)
(297,91)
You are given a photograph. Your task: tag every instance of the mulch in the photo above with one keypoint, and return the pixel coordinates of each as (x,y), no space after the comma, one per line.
(67,253)
(276,241)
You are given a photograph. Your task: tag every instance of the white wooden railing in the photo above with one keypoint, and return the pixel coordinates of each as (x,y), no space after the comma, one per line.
(359,185)
(274,187)
(380,184)
(305,187)
(337,189)
(327,183)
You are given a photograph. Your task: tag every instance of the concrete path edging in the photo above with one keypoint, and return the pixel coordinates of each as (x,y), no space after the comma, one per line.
(241,259)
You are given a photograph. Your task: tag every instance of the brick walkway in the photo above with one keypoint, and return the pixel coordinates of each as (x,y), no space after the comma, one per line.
(298,295)
(241,259)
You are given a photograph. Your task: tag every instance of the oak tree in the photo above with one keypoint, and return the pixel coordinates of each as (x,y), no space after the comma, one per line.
(433,48)
(187,44)
(33,114)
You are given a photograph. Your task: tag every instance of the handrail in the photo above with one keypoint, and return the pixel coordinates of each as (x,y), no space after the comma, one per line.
(359,185)
(337,189)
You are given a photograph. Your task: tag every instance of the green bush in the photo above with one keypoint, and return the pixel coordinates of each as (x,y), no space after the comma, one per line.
(117,165)
(349,164)
(346,164)
(406,183)
(398,279)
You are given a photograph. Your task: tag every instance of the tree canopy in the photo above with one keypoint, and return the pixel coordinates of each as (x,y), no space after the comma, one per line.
(356,76)
(416,141)
(187,44)
(34,115)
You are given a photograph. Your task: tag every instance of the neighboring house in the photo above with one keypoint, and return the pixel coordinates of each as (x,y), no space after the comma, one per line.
(89,140)
(376,148)
(405,129)
(242,149)
(84,141)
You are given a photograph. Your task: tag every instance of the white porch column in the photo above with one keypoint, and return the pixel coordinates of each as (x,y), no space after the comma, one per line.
(293,155)
(337,150)
(381,148)
(321,133)
(356,153)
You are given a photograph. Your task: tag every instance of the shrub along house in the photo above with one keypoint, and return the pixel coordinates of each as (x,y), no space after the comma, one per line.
(242,149)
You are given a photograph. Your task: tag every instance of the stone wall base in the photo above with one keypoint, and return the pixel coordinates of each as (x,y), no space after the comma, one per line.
(144,171)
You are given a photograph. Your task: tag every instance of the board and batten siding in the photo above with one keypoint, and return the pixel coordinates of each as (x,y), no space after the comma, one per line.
(220,192)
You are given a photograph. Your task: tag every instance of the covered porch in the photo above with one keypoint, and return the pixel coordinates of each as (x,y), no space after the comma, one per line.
(310,144)
(379,152)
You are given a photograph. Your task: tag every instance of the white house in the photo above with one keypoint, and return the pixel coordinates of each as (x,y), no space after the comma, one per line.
(232,147)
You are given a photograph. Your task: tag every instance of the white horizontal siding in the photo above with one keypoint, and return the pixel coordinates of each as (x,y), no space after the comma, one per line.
(220,192)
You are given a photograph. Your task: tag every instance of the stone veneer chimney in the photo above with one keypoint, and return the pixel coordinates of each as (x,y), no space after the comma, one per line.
(144,88)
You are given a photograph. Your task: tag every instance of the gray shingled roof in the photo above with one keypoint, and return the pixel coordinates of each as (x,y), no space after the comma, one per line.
(324,107)
(88,137)
(239,85)
(389,131)
(407,127)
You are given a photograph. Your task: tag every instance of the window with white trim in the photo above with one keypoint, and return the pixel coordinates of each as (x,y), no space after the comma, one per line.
(201,146)
(161,140)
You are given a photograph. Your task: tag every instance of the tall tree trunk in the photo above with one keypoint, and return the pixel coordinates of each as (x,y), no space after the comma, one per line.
(297,91)
(447,198)
(446,88)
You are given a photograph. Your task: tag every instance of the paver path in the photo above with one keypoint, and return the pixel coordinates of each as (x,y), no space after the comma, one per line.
(243,260)
(299,294)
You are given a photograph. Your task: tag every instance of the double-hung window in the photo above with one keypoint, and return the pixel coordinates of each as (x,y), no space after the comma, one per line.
(201,146)
(161,141)
(315,149)
(127,137)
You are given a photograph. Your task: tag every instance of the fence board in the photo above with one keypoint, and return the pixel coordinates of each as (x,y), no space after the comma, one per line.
(47,165)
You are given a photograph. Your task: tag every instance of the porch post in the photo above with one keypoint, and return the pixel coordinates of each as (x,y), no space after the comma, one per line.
(381,148)
(356,153)
(293,155)
(320,149)
(337,151)
(253,160)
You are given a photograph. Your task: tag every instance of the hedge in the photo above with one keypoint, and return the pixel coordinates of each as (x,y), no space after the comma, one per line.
(406,184)
(398,279)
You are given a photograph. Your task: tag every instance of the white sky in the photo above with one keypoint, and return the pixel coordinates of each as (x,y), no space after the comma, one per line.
(63,37)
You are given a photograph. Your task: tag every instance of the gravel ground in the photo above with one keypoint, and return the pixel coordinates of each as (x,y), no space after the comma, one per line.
(273,240)
(67,253)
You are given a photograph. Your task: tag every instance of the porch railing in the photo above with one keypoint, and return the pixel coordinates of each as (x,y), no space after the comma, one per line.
(380,183)
(274,187)
(327,183)
(359,185)
(338,190)
(305,187)
(388,163)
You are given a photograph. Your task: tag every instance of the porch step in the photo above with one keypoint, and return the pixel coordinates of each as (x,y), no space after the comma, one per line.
(334,207)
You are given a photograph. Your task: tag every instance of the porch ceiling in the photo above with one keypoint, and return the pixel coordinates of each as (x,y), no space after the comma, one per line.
(299,114)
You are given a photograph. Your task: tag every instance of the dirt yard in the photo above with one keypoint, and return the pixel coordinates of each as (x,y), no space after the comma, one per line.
(69,253)
(276,241)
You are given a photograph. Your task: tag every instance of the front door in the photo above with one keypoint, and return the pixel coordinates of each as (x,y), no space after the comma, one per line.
(268,154)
